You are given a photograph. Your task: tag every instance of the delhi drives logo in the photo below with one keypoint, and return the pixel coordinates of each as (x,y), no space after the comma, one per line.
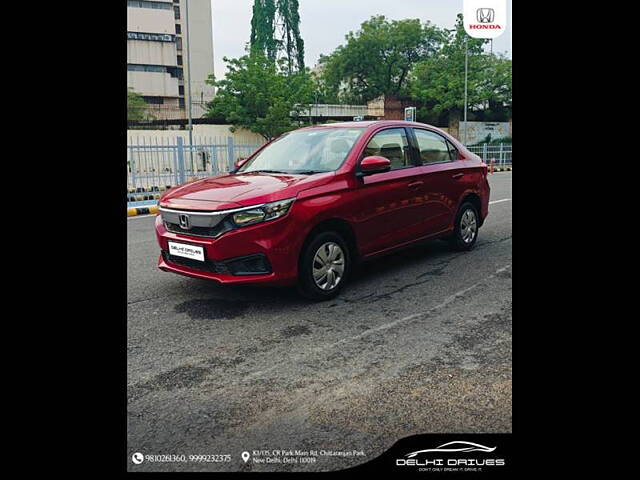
(450,449)
(485,18)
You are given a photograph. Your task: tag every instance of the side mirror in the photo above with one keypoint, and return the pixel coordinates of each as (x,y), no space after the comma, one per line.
(374,164)
(239,162)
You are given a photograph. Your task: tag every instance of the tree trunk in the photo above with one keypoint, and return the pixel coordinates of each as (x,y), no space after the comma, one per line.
(454,123)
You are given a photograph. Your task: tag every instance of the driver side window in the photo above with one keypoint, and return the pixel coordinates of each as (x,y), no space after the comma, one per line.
(391,144)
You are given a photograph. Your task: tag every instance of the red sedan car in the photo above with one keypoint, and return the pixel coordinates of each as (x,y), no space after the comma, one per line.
(307,206)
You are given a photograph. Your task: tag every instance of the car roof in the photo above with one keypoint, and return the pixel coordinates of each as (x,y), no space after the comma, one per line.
(369,123)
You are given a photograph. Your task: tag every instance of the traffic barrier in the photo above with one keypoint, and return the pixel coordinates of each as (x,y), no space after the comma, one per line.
(141,198)
(132,212)
(150,189)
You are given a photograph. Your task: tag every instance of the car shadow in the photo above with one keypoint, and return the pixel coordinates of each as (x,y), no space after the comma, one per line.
(396,262)
(369,271)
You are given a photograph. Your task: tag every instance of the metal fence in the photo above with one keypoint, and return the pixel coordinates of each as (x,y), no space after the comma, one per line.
(154,164)
(499,152)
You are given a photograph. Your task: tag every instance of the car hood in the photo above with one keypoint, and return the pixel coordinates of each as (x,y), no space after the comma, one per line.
(239,190)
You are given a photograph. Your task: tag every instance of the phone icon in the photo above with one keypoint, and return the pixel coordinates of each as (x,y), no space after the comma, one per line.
(137,458)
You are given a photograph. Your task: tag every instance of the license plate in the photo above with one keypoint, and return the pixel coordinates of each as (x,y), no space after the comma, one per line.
(187,251)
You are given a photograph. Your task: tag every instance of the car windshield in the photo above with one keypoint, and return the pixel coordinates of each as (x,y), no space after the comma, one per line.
(305,151)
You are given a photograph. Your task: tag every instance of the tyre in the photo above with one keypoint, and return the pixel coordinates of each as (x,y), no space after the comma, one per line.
(465,232)
(325,265)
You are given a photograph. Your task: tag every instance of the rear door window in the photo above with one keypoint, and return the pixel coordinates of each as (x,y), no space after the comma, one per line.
(432,147)
(453,151)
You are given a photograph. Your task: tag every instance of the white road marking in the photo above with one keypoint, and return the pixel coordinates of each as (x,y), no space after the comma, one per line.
(382,327)
(498,201)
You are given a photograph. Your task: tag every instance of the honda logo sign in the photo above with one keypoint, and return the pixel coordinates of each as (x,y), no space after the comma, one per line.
(485,15)
(485,18)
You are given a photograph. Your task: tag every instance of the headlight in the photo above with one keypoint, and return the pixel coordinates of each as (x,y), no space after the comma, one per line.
(268,211)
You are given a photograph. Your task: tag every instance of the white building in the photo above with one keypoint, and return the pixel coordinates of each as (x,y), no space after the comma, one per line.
(157,54)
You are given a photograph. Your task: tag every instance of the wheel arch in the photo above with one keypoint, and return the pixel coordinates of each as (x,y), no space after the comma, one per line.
(337,225)
(474,199)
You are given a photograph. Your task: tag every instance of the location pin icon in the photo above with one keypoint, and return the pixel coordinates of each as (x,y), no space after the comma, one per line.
(245,456)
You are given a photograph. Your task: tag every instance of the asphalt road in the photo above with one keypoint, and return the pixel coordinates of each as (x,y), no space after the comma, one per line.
(418,342)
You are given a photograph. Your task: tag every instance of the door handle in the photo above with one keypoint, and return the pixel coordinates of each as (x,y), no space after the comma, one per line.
(417,184)
(457,175)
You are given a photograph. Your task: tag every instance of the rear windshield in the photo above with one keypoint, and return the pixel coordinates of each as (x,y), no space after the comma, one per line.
(305,151)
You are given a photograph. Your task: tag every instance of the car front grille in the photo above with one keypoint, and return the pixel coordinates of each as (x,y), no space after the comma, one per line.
(212,232)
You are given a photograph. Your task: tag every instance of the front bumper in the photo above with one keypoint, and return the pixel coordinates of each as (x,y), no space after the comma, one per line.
(264,253)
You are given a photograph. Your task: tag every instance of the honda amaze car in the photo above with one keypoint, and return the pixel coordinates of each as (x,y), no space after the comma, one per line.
(306,207)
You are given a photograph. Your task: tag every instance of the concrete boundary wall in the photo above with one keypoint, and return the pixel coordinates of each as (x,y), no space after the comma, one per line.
(240,136)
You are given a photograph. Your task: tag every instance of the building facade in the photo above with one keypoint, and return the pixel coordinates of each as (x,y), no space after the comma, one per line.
(158,55)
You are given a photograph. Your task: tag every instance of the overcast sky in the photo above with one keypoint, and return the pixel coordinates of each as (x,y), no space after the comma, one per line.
(324,23)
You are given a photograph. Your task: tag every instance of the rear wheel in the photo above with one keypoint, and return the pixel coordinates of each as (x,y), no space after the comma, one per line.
(465,232)
(324,266)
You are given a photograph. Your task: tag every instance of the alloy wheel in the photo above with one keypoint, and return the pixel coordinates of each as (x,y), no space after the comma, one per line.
(468,226)
(328,266)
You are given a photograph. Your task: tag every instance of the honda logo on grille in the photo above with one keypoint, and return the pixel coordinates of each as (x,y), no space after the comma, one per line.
(485,15)
(185,221)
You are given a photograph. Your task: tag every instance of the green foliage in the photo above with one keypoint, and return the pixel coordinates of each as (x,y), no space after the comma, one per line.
(438,82)
(292,42)
(323,93)
(136,106)
(260,95)
(275,27)
(377,59)
(492,141)
(501,140)
(263,28)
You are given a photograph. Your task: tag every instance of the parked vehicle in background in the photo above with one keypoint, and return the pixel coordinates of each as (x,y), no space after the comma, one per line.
(309,205)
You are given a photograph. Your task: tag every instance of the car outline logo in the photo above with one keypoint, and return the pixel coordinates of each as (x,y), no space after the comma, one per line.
(485,15)
(448,447)
(185,223)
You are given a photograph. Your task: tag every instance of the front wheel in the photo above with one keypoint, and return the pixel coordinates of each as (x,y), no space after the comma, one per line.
(465,232)
(324,266)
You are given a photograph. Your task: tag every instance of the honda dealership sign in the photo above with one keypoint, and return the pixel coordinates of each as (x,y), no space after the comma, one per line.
(485,18)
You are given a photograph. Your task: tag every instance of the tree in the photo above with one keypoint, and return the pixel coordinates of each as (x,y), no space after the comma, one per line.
(136,106)
(275,28)
(260,95)
(263,29)
(438,82)
(495,86)
(377,59)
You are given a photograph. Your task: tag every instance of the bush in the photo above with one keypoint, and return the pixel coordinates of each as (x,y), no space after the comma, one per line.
(493,141)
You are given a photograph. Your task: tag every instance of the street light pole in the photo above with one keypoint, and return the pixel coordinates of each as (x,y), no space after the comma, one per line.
(466,68)
(186,7)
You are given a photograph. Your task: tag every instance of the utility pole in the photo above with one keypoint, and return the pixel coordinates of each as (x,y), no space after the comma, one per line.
(466,68)
(186,6)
